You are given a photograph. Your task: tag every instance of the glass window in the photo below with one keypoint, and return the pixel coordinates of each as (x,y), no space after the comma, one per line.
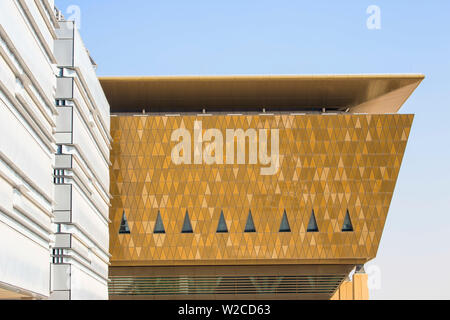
(250,226)
(187,227)
(347,227)
(159,226)
(285,227)
(222,227)
(124,229)
(312,225)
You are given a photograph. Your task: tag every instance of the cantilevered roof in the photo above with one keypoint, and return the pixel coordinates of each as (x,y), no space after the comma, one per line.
(358,93)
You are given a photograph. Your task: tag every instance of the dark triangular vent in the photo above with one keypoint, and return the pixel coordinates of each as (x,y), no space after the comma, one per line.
(285,227)
(347,227)
(312,225)
(159,226)
(187,227)
(250,226)
(222,227)
(124,229)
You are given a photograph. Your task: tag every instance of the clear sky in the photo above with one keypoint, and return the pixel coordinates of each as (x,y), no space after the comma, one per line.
(142,37)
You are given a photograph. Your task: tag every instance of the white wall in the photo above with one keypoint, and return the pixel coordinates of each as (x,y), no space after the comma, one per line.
(86,116)
(24,263)
(27,118)
(32,46)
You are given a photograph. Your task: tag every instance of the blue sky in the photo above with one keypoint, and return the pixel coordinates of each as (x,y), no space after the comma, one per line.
(141,37)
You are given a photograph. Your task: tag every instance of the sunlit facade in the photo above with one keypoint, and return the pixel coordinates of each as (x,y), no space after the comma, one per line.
(54,159)
(201,187)
(192,220)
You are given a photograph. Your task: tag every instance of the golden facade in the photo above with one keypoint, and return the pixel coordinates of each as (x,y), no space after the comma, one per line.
(341,145)
(328,163)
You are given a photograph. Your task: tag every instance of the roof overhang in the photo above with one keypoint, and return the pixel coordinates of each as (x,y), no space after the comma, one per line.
(354,93)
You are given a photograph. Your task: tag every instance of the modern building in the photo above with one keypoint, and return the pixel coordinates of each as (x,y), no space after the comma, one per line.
(225,187)
(54,159)
(251,187)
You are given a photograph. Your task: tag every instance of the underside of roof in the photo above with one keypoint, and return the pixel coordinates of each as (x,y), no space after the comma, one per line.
(346,93)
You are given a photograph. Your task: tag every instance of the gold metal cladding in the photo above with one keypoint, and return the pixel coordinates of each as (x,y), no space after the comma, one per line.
(328,163)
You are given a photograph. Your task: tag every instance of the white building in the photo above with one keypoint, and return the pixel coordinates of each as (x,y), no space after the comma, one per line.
(54,159)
